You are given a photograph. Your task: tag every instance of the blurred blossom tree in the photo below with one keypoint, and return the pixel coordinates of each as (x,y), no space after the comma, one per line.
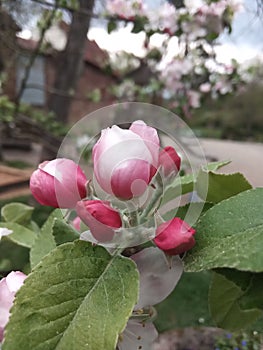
(184,66)
(179,72)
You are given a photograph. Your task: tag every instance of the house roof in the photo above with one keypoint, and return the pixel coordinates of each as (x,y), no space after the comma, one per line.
(93,53)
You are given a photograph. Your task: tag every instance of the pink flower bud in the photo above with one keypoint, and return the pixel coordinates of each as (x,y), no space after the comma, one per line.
(59,183)
(8,288)
(101,218)
(169,160)
(174,237)
(124,159)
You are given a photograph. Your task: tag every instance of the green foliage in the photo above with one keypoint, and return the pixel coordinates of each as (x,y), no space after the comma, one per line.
(13,257)
(236,117)
(45,120)
(7,109)
(187,183)
(45,241)
(187,305)
(72,281)
(20,235)
(17,212)
(181,212)
(112,25)
(230,235)
(139,23)
(226,296)
(181,185)
(220,186)
(63,232)
(17,163)
(69,297)
(94,95)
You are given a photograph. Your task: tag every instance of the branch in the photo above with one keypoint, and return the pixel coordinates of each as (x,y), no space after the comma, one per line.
(34,56)
(26,126)
(52,90)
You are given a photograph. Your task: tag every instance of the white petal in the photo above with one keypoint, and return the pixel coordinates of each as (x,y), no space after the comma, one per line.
(138,336)
(4,232)
(158,278)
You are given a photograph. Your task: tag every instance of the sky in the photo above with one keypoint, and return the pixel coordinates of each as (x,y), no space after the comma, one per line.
(245,42)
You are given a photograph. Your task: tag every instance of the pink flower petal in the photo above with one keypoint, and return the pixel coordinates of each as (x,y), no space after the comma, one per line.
(14,280)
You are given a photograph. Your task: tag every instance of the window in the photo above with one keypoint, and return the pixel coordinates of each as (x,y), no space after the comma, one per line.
(34,94)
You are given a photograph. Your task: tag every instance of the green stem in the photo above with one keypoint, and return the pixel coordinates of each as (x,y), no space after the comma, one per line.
(116,252)
(153,205)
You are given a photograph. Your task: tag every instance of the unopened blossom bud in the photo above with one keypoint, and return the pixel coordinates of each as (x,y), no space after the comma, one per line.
(174,237)
(59,183)
(169,161)
(100,217)
(8,288)
(124,159)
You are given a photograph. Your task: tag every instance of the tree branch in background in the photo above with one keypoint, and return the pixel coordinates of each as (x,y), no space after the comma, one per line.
(50,17)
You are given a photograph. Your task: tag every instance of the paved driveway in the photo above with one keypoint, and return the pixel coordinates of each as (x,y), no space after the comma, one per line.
(246,157)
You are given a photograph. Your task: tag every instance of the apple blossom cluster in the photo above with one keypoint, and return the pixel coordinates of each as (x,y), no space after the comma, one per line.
(193,73)
(126,9)
(206,15)
(126,163)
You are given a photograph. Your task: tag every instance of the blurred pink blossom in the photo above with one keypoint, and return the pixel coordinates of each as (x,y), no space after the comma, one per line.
(8,288)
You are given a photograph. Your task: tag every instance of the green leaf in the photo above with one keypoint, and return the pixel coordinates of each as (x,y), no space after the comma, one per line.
(213,166)
(139,24)
(78,297)
(185,184)
(17,212)
(63,232)
(230,234)
(45,241)
(251,285)
(253,298)
(224,305)
(21,235)
(220,186)
(112,25)
(13,256)
(182,211)
(181,185)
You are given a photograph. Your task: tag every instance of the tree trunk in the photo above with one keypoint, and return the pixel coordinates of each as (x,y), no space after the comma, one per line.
(70,62)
